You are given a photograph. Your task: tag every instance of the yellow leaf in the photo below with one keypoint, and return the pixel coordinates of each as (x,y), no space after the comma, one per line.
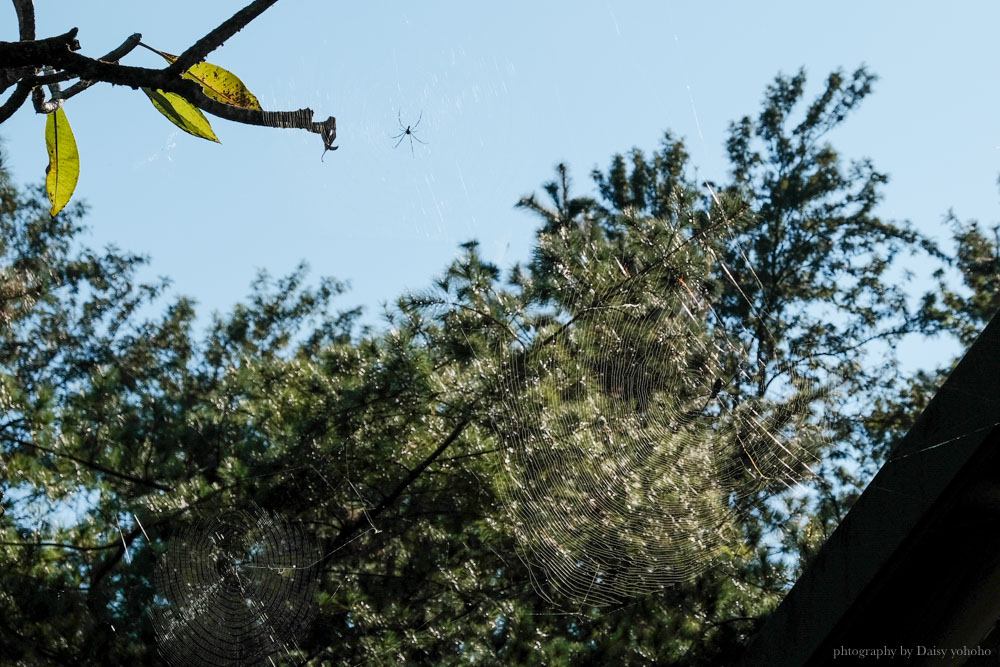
(181,113)
(64,161)
(219,84)
(223,86)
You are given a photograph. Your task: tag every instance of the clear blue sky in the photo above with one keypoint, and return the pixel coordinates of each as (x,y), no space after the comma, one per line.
(506,90)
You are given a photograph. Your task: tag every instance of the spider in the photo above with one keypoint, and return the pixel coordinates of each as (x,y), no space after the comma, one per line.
(408,131)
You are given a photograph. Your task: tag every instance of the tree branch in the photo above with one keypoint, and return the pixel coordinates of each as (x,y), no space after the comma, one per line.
(121,75)
(123,49)
(25,18)
(61,545)
(213,40)
(16,99)
(38,100)
(347,532)
(59,52)
(102,569)
(48,79)
(89,69)
(301,119)
(38,52)
(8,77)
(94,466)
(113,56)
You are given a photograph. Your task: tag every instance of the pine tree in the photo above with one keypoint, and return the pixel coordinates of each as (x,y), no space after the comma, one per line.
(663,336)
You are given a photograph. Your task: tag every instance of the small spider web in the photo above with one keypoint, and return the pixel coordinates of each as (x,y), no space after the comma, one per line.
(632,440)
(234,589)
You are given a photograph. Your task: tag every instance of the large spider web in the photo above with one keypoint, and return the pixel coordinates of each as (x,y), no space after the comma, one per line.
(633,436)
(234,589)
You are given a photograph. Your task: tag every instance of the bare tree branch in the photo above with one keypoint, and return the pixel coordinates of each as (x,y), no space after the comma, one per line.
(213,40)
(38,100)
(123,49)
(38,52)
(302,119)
(113,56)
(16,99)
(8,77)
(46,79)
(122,75)
(25,18)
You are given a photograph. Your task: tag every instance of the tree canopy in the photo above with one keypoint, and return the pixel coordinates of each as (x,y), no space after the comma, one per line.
(586,459)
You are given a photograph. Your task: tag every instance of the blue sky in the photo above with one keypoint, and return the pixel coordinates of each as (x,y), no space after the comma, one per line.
(506,90)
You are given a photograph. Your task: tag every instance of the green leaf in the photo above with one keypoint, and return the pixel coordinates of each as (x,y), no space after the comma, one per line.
(64,161)
(181,113)
(218,83)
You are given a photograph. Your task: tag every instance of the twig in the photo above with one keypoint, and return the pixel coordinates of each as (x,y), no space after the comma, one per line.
(352,527)
(93,466)
(113,56)
(61,545)
(213,40)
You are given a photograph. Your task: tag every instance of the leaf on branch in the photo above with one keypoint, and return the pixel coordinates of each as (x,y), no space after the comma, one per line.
(181,113)
(64,161)
(218,83)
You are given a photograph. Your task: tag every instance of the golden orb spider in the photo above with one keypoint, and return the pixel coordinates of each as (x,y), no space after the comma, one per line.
(408,131)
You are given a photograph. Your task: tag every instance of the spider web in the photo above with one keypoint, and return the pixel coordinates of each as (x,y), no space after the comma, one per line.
(632,441)
(234,589)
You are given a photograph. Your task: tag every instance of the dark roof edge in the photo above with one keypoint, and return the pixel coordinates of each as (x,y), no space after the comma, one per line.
(950,431)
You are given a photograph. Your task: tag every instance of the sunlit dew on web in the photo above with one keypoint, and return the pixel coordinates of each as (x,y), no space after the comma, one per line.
(631,444)
(169,146)
(235,588)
